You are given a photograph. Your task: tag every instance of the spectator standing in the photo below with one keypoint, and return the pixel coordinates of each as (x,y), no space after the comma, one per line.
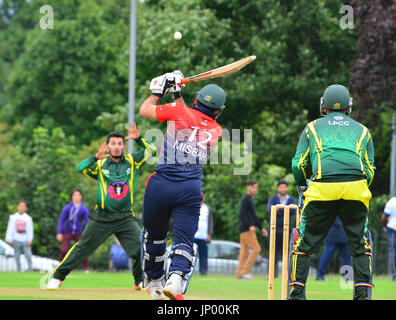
(389,222)
(203,236)
(247,225)
(20,235)
(335,239)
(119,259)
(282,197)
(70,224)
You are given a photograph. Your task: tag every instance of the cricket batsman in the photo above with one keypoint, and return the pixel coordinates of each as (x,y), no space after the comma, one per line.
(173,191)
(116,174)
(340,153)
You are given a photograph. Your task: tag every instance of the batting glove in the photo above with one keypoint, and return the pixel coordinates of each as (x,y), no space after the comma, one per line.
(159,86)
(175,81)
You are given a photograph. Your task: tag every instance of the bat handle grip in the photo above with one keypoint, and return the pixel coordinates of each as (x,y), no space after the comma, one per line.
(184,81)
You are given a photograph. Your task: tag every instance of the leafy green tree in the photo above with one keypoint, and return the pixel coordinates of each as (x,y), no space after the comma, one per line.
(44,180)
(17,17)
(372,79)
(68,75)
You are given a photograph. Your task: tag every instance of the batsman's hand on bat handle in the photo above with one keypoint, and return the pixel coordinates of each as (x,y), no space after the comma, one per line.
(176,84)
(175,81)
(102,152)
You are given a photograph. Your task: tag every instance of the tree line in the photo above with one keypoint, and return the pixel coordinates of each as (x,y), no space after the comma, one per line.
(63,90)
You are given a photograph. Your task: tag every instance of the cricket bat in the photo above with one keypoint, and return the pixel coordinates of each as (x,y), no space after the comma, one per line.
(221,71)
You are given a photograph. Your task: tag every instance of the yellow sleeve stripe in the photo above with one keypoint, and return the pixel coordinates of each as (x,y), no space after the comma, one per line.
(129,158)
(318,149)
(370,167)
(146,152)
(359,143)
(317,140)
(359,148)
(146,155)
(102,183)
(302,163)
(89,171)
(85,172)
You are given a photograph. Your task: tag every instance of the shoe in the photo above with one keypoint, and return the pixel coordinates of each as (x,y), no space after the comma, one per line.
(54,284)
(320,279)
(246,277)
(173,287)
(154,287)
(86,271)
(139,287)
(238,276)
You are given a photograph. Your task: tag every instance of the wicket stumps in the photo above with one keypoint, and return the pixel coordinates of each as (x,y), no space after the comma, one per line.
(285,249)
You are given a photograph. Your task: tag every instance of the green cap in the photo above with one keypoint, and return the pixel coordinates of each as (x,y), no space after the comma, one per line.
(212,96)
(336,97)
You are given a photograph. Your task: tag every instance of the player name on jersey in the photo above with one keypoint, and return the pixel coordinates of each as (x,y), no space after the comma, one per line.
(190,150)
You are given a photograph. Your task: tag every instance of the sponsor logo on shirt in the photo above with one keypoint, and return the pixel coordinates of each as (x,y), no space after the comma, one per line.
(118,190)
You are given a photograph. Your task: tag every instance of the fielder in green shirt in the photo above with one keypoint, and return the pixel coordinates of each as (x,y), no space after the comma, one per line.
(336,154)
(116,174)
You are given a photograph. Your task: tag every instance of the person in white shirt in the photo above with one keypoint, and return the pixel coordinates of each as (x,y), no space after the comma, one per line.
(389,222)
(203,236)
(20,235)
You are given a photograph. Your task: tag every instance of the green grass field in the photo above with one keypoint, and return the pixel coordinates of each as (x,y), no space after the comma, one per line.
(109,286)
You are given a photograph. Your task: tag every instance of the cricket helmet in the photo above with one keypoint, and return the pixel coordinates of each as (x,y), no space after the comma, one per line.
(336,97)
(212,97)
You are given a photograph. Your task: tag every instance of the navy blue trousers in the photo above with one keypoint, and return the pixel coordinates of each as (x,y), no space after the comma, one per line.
(203,255)
(165,200)
(328,253)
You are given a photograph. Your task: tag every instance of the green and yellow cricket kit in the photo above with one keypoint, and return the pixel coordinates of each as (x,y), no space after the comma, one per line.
(113,214)
(336,153)
(116,182)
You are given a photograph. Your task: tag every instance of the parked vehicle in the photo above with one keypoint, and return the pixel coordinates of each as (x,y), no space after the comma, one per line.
(223,259)
(7,260)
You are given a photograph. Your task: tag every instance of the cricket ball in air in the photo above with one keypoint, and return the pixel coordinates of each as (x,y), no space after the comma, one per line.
(177,35)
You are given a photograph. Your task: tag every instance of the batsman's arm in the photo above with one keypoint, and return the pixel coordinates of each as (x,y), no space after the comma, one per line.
(88,167)
(300,160)
(368,160)
(148,108)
